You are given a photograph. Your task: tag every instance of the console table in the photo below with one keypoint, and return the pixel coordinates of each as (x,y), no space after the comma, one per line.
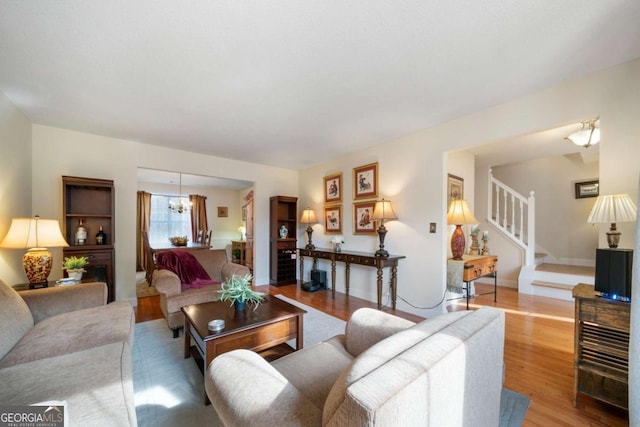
(460,274)
(359,258)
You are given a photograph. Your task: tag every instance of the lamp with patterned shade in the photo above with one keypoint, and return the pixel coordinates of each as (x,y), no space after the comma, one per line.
(459,214)
(612,209)
(36,234)
(309,217)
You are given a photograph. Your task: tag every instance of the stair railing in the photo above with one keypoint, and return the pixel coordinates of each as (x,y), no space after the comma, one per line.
(514,215)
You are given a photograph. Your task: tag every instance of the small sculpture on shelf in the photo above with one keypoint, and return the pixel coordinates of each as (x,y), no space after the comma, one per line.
(485,243)
(337,243)
(474,249)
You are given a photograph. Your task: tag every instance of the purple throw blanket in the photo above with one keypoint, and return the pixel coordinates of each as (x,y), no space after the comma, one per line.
(186,267)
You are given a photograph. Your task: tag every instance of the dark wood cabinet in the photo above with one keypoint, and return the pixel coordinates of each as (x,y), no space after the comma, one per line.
(91,201)
(601,357)
(283,224)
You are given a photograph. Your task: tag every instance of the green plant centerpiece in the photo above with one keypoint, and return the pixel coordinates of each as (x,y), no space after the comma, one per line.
(75,266)
(237,289)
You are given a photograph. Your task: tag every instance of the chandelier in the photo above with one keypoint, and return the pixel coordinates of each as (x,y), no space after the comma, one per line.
(587,136)
(179,207)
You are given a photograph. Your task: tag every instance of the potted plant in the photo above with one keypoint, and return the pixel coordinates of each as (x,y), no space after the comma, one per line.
(75,266)
(237,289)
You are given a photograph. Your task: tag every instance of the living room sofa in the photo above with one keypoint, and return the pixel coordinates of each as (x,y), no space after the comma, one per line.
(67,344)
(173,297)
(384,371)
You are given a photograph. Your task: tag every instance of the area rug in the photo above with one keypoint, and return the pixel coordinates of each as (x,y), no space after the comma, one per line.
(169,389)
(513,408)
(142,287)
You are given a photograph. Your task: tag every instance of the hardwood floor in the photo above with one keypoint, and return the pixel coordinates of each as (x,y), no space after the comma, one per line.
(538,349)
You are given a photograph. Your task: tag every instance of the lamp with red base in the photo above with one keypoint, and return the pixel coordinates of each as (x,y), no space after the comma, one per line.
(459,214)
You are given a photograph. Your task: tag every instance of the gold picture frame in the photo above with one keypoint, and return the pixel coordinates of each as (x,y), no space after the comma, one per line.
(333,188)
(455,188)
(362,222)
(365,181)
(223,211)
(333,219)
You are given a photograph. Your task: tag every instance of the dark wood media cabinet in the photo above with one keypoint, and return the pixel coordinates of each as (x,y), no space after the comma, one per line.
(601,355)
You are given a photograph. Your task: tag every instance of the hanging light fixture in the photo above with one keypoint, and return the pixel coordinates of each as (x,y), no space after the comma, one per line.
(179,207)
(587,136)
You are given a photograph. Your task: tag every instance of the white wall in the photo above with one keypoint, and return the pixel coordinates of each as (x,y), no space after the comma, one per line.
(15,184)
(58,152)
(413,173)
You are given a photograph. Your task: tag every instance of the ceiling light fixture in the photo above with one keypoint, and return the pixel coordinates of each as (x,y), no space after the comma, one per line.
(587,136)
(179,207)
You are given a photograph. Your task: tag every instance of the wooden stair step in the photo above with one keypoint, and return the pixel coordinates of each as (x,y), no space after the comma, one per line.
(567,269)
(553,285)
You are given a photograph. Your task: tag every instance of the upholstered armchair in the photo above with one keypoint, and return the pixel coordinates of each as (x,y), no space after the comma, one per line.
(174,294)
(384,371)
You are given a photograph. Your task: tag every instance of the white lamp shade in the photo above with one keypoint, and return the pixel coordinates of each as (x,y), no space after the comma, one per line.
(459,213)
(383,210)
(33,233)
(308,216)
(613,208)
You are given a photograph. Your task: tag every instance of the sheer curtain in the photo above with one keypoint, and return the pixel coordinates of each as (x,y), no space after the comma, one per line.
(198,215)
(143,219)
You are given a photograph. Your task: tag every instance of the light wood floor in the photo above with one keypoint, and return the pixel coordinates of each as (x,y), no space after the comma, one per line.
(538,350)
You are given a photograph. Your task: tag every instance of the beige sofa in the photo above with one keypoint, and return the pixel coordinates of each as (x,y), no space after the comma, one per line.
(385,371)
(67,344)
(172,298)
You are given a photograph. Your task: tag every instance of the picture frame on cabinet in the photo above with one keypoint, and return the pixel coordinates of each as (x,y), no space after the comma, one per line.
(333,219)
(333,188)
(365,181)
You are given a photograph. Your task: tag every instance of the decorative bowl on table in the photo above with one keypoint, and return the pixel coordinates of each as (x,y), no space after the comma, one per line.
(179,240)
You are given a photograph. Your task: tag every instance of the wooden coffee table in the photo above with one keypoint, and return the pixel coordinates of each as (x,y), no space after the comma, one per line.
(273,323)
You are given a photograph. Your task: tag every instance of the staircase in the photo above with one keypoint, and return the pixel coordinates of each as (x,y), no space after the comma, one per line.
(514,216)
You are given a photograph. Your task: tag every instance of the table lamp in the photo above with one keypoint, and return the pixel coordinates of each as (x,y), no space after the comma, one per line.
(309,217)
(459,214)
(243,231)
(612,209)
(36,234)
(383,211)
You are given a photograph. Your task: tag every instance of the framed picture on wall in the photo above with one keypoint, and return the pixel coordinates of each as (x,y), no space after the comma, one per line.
(365,181)
(223,211)
(455,189)
(587,189)
(333,188)
(333,219)
(362,222)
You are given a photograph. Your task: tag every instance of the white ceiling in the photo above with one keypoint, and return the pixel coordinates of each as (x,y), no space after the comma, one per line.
(294,83)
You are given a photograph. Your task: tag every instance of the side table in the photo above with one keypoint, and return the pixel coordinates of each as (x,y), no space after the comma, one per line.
(460,274)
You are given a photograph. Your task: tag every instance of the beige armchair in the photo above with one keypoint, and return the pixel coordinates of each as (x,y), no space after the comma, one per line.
(173,298)
(385,371)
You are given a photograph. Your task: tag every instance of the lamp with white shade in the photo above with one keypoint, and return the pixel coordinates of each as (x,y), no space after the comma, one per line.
(383,211)
(308,217)
(36,234)
(613,209)
(459,214)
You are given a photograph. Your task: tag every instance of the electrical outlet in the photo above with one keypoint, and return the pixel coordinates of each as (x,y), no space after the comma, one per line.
(432,227)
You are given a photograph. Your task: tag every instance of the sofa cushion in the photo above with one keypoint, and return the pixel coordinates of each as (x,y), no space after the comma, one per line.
(212,261)
(383,351)
(96,384)
(192,296)
(328,359)
(74,331)
(15,318)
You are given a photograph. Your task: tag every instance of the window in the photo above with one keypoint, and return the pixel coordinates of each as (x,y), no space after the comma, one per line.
(164,223)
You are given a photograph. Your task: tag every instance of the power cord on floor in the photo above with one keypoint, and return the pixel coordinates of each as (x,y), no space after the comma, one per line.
(444,294)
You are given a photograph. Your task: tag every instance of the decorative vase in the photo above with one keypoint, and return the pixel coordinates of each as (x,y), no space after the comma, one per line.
(240,305)
(76,274)
(337,247)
